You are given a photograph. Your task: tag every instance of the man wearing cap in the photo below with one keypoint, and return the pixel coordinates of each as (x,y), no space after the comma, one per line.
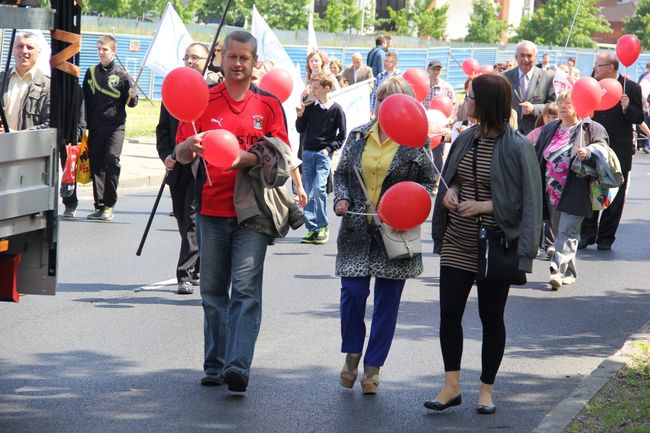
(438,86)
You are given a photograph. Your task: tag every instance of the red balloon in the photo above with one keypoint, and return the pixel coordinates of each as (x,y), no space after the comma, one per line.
(419,81)
(404,120)
(277,82)
(443,104)
(628,49)
(470,66)
(435,141)
(404,205)
(612,92)
(585,96)
(221,148)
(485,69)
(185,94)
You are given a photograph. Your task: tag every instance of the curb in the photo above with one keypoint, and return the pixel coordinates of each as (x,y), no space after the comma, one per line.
(564,413)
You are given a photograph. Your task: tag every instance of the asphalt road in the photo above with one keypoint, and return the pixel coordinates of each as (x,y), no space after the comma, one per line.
(105,356)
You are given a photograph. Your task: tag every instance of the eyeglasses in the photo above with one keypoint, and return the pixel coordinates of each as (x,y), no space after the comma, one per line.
(468,96)
(604,64)
(193,58)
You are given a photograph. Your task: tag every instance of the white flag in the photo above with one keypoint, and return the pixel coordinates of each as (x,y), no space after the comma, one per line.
(311,35)
(355,101)
(270,48)
(561,82)
(169,43)
(645,87)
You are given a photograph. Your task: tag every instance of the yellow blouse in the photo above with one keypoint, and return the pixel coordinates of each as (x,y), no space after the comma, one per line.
(375,161)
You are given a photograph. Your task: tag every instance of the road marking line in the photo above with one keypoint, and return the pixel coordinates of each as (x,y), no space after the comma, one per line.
(155,286)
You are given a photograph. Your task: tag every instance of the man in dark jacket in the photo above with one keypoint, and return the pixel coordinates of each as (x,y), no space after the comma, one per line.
(107,89)
(376,56)
(618,122)
(182,183)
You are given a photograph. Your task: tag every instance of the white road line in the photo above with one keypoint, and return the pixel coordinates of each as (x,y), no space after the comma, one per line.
(158,285)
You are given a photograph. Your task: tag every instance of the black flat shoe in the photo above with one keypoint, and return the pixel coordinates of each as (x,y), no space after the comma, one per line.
(486,410)
(436,405)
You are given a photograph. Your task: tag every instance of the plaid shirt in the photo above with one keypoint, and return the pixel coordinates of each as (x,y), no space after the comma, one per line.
(442,88)
(378,80)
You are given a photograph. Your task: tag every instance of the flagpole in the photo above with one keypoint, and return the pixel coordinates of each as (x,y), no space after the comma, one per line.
(136,85)
(216,36)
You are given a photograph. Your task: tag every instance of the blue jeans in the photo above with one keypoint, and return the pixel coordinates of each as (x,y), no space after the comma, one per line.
(315,170)
(232,264)
(354,294)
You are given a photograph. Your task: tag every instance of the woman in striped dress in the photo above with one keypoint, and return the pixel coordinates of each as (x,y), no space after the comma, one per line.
(491,171)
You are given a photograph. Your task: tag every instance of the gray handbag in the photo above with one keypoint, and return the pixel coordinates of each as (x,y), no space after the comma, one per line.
(399,244)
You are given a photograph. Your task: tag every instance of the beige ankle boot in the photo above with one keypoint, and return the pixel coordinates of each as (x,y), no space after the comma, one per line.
(370,379)
(350,370)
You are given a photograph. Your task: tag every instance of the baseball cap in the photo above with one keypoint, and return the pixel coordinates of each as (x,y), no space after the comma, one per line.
(435,64)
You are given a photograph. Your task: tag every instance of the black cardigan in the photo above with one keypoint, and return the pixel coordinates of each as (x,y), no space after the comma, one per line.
(576,196)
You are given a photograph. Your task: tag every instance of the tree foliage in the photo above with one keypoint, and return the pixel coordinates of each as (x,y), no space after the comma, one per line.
(428,22)
(639,24)
(340,16)
(484,26)
(550,24)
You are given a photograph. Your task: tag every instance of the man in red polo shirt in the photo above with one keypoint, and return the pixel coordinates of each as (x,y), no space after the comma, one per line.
(232,257)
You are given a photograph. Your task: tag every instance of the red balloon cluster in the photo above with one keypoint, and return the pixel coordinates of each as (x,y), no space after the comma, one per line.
(404,120)
(404,205)
(586,96)
(470,66)
(277,82)
(628,48)
(185,94)
(221,148)
(419,81)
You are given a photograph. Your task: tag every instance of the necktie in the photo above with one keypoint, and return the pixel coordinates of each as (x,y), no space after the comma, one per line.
(523,86)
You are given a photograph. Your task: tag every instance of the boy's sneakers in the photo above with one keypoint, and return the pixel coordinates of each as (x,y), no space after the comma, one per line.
(321,236)
(309,237)
(107,214)
(96,214)
(318,236)
(69,212)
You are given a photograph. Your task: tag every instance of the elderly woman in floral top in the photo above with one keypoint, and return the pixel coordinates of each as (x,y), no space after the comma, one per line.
(567,197)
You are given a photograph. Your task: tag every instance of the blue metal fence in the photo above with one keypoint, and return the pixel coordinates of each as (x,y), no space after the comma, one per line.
(132,48)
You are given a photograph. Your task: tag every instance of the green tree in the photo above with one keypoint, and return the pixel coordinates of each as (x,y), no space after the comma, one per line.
(639,23)
(550,24)
(279,14)
(110,8)
(340,15)
(484,26)
(427,22)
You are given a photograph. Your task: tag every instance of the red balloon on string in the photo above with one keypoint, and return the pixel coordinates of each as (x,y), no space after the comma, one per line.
(628,49)
(485,69)
(435,141)
(443,104)
(404,120)
(585,96)
(277,82)
(221,148)
(185,94)
(612,92)
(419,81)
(404,205)
(470,66)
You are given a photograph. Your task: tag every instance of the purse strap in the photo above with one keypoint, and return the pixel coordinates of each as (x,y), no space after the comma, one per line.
(375,218)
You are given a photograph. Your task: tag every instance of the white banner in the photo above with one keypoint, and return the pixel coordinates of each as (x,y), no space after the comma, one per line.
(270,48)
(561,82)
(355,101)
(169,43)
(645,86)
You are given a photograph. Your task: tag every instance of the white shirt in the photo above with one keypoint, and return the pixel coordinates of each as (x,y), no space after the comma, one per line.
(16,92)
(326,105)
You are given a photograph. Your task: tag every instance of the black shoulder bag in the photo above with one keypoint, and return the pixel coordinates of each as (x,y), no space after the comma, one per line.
(498,261)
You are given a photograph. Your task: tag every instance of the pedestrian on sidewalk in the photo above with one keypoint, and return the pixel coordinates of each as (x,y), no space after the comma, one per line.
(106,87)
(492,173)
(232,255)
(361,253)
(182,184)
(323,124)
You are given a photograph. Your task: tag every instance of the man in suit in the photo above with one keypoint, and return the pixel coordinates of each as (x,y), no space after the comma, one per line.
(182,184)
(357,72)
(532,88)
(618,122)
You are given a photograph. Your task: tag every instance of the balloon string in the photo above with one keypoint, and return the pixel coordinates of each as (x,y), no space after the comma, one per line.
(205,165)
(361,213)
(437,170)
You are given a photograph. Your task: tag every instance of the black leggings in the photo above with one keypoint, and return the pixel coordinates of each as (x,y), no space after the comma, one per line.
(455,285)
